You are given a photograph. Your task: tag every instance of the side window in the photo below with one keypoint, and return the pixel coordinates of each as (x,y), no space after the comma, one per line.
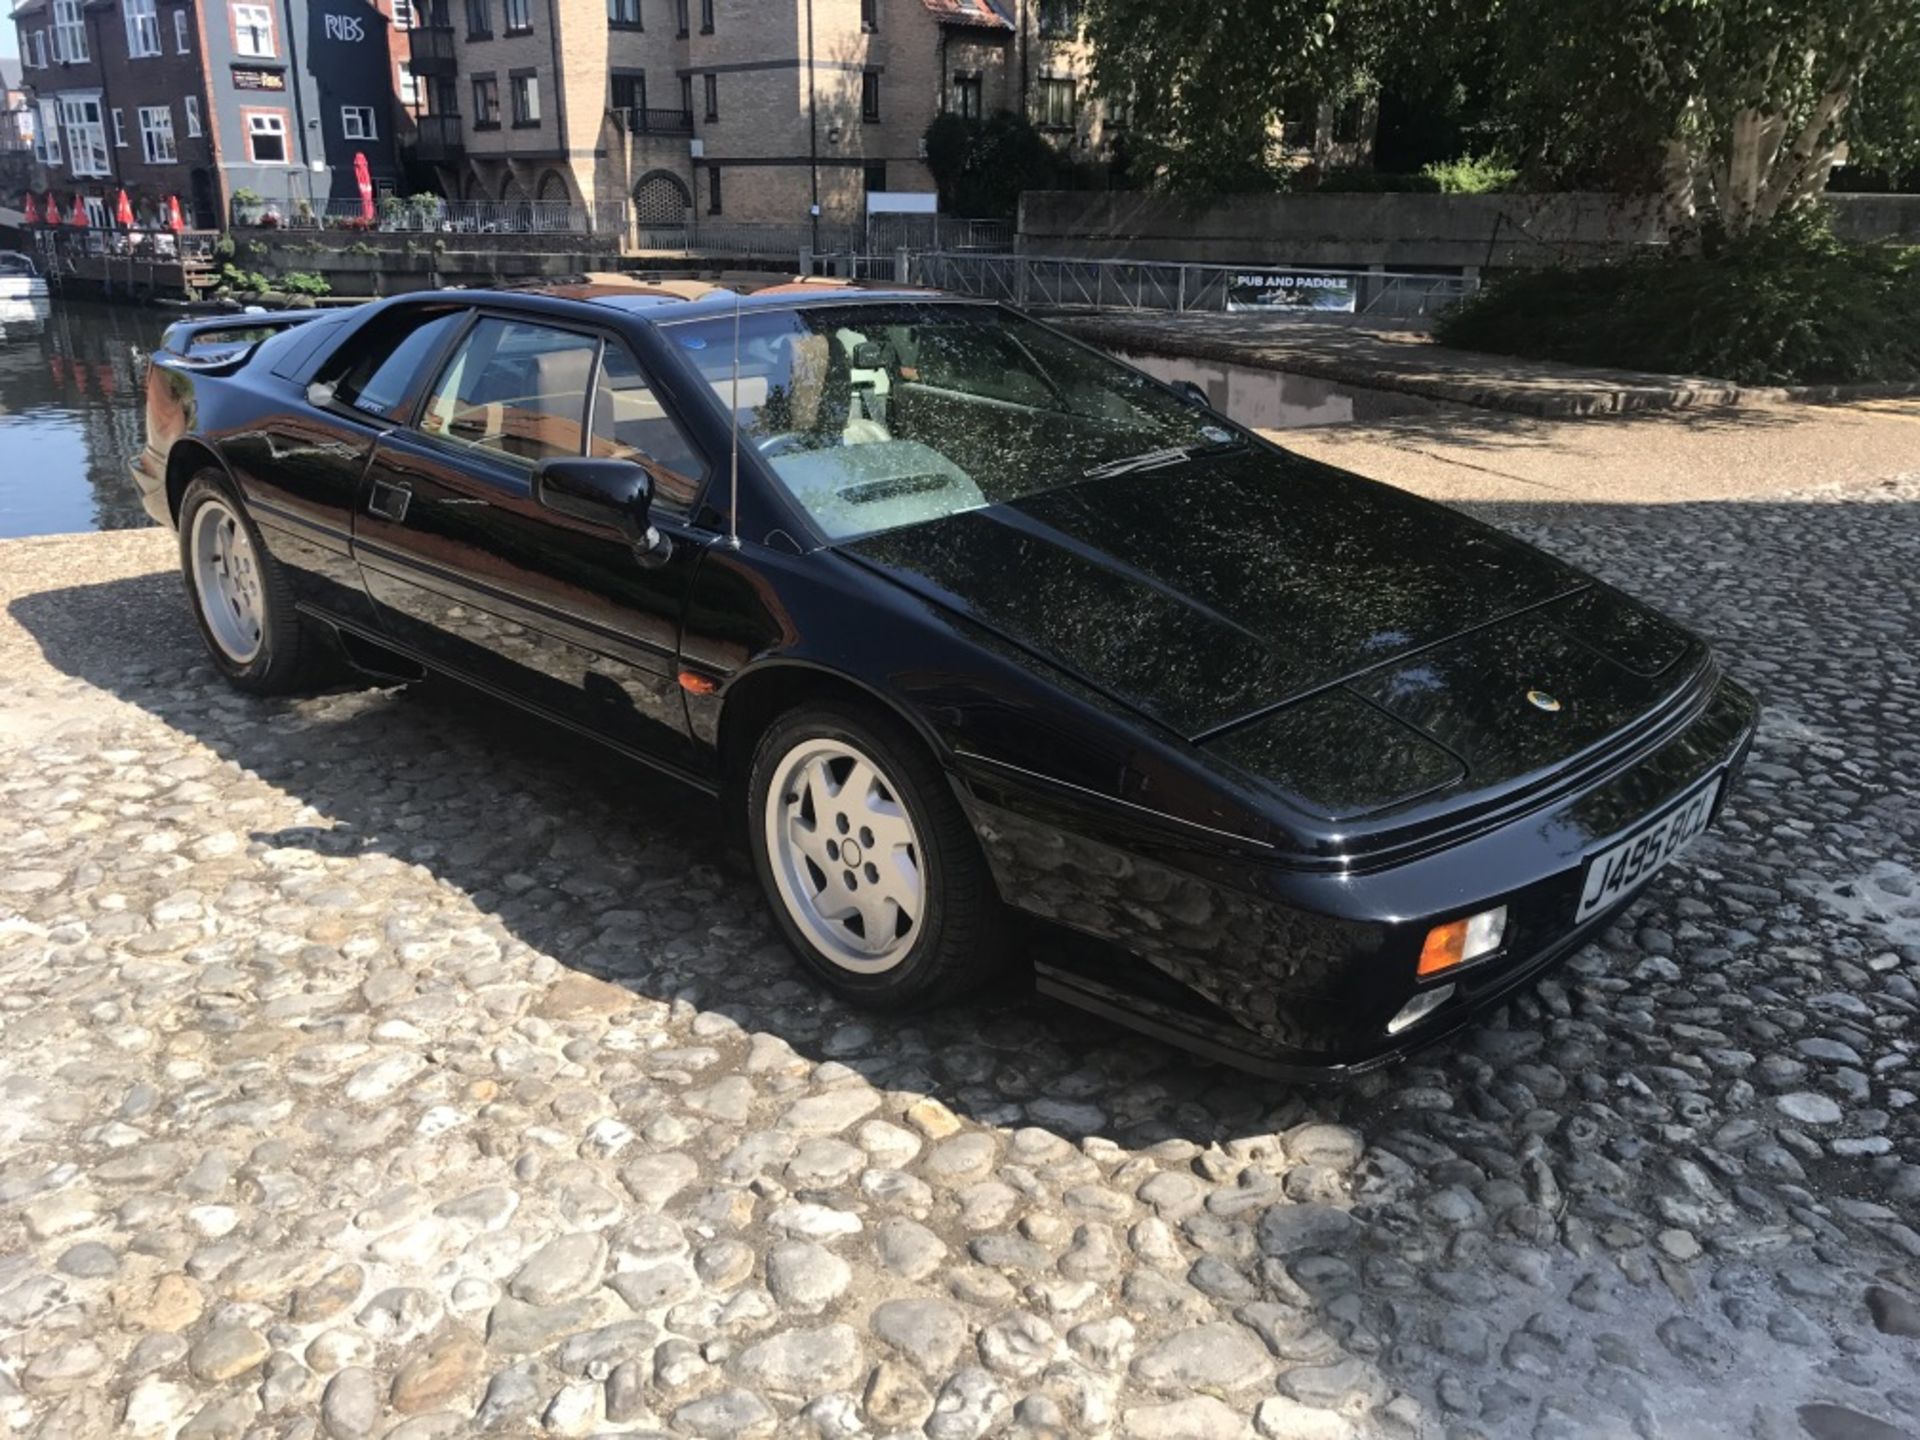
(630,424)
(515,390)
(381,366)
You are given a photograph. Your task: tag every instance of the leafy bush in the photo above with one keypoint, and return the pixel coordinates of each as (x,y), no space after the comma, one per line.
(304,282)
(1471,175)
(1359,180)
(981,166)
(1791,304)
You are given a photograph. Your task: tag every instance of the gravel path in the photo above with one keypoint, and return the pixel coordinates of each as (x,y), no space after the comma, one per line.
(381,1064)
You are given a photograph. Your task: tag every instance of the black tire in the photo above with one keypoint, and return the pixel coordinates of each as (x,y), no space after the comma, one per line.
(291,657)
(963,937)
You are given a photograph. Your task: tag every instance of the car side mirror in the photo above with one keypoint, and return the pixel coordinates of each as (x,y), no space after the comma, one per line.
(614,493)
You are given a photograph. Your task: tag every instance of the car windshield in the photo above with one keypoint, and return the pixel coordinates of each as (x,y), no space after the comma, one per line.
(885,415)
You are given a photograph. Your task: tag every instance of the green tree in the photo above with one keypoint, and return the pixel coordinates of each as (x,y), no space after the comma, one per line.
(1732,111)
(980,167)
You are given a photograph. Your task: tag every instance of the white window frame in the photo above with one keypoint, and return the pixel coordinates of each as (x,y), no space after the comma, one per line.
(192,104)
(86,136)
(181,44)
(46,135)
(357,123)
(69,32)
(403,15)
(277,127)
(143,28)
(245,34)
(38,46)
(532,93)
(119,128)
(520,11)
(156,135)
(407,84)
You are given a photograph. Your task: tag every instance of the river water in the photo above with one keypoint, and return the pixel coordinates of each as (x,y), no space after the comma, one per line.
(72,399)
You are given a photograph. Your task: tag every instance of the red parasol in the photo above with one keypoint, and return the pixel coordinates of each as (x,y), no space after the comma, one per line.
(53,209)
(176,222)
(30,212)
(123,211)
(364,178)
(78,215)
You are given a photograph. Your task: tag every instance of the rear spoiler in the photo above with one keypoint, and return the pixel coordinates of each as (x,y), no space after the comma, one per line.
(220,341)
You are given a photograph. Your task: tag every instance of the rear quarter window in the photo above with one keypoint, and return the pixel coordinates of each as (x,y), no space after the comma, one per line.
(381,368)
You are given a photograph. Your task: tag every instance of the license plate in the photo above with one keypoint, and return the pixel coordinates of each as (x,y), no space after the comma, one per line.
(1621,868)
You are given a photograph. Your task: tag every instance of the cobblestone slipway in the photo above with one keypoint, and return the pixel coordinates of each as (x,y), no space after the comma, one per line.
(380,1064)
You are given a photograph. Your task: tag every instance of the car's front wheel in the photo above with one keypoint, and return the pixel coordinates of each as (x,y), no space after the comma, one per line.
(241,597)
(872,871)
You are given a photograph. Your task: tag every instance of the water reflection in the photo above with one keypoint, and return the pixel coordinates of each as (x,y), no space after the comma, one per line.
(1275,399)
(71,401)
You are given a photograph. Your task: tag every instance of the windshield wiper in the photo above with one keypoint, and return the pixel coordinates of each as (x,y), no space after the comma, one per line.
(1157,459)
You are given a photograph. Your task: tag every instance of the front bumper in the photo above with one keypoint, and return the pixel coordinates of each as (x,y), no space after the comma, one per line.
(1297,973)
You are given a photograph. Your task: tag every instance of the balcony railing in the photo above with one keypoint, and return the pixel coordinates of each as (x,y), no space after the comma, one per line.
(636,120)
(438,138)
(432,49)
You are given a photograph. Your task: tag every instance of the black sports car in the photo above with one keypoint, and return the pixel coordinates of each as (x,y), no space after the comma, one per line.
(963,620)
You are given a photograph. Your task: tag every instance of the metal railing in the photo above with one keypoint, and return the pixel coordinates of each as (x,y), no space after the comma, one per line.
(649,120)
(1380,296)
(745,239)
(889,232)
(431,215)
(436,137)
(430,49)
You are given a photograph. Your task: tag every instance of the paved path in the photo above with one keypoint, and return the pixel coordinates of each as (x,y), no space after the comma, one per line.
(378,1064)
(1409,362)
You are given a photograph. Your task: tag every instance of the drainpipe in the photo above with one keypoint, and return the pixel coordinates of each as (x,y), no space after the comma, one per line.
(813,133)
(559,91)
(299,107)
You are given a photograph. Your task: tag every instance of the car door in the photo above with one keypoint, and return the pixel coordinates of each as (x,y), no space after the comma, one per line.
(472,573)
(300,466)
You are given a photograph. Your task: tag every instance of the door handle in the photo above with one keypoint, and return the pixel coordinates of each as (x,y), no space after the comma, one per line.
(390,501)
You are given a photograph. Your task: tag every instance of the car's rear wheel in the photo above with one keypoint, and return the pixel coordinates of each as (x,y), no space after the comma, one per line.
(868,862)
(241,597)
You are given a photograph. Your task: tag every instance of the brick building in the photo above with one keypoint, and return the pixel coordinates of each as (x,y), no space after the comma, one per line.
(732,109)
(202,98)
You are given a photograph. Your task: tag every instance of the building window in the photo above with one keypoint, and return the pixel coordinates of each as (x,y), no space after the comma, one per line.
(713,190)
(968,99)
(870,95)
(69,32)
(713,96)
(1350,122)
(680,15)
(486,103)
(706,17)
(629,92)
(1057,103)
(180,46)
(479,20)
(192,104)
(624,14)
(1060,19)
(86,136)
(119,128)
(875,177)
(46,135)
(408,87)
(39,49)
(686,96)
(518,15)
(143,28)
(266,136)
(526,99)
(869,15)
(156,135)
(253,31)
(356,123)
(403,16)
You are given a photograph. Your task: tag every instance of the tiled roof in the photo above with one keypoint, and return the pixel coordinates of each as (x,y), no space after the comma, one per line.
(982,14)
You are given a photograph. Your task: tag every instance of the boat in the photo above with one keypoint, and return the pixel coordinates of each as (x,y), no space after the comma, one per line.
(20,278)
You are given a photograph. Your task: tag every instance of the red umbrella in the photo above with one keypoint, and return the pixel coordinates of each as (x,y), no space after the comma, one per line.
(176,222)
(78,216)
(30,212)
(364,178)
(53,209)
(123,212)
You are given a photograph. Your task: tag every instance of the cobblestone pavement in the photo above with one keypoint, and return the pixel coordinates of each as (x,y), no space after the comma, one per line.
(380,1064)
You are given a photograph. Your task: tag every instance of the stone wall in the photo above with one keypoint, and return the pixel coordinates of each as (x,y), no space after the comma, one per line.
(1409,231)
